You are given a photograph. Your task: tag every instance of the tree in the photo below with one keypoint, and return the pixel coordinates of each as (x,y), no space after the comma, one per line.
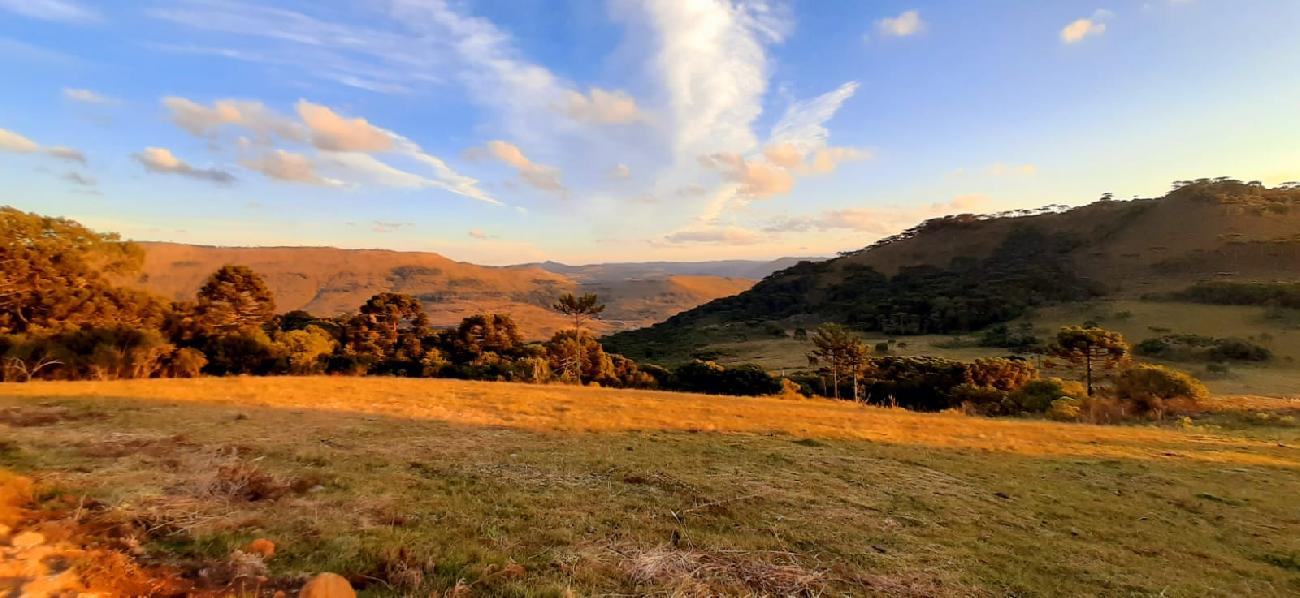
(579,356)
(306,349)
(234,299)
(1151,387)
(1092,348)
(580,308)
(839,350)
(389,331)
(56,274)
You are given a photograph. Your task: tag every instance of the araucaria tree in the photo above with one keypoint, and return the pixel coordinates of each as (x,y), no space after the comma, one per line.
(840,352)
(580,308)
(1092,348)
(234,299)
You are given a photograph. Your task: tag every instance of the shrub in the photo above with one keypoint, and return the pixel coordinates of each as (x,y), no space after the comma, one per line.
(1001,373)
(1151,388)
(306,348)
(711,378)
(184,363)
(1037,396)
(1194,347)
(918,383)
(980,400)
(1064,409)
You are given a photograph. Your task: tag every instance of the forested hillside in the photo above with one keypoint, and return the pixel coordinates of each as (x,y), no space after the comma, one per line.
(962,273)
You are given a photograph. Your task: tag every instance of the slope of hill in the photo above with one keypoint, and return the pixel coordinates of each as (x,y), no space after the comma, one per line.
(328,281)
(961,273)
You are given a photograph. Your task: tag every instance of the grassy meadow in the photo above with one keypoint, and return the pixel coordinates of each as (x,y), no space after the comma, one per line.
(1136,320)
(413,487)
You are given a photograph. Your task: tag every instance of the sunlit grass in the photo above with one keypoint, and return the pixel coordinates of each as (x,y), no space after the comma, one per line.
(601,492)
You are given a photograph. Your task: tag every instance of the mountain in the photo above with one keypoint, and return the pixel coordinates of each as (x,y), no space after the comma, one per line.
(328,281)
(962,273)
(745,269)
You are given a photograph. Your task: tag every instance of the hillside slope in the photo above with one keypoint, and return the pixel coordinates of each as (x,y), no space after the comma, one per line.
(743,269)
(328,281)
(961,273)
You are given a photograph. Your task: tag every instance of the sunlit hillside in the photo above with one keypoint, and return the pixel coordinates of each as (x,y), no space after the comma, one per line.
(327,281)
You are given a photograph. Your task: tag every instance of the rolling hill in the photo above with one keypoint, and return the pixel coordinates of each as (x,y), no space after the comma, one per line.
(328,281)
(961,273)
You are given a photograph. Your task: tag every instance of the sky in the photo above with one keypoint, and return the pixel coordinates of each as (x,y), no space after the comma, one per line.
(587,131)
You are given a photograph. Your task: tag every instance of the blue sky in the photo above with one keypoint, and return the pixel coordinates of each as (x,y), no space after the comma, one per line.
(584,131)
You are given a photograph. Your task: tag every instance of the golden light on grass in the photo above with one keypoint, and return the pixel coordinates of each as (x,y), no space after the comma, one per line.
(553,408)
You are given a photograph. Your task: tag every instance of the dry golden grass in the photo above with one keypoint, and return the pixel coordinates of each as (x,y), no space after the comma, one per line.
(420,487)
(571,409)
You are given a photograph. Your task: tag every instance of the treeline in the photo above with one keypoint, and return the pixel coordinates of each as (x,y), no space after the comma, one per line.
(1267,294)
(1111,388)
(1029,268)
(63,318)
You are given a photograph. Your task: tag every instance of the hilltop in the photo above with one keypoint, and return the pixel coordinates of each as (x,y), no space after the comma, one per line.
(962,273)
(327,281)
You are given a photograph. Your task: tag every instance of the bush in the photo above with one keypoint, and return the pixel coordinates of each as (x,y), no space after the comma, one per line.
(1150,389)
(184,363)
(1194,347)
(980,400)
(918,383)
(246,352)
(1065,409)
(1037,396)
(711,378)
(1001,373)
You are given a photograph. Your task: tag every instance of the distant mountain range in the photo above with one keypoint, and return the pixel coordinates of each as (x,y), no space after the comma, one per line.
(748,269)
(327,281)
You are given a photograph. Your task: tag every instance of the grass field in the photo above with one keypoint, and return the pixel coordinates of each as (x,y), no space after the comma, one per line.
(412,487)
(1136,320)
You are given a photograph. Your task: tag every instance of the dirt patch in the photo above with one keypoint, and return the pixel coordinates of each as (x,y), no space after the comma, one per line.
(27,417)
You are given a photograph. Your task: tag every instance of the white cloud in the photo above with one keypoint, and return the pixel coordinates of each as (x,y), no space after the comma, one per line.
(13,142)
(711,59)
(879,221)
(290,167)
(541,177)
(602,107)
(903,25)
(477,233)
(620,171)
(87,96)
(717,236)
(163,161)
(253,116)
(332,132)
(1092,26)
(64,11)
(326,130)
(757,178)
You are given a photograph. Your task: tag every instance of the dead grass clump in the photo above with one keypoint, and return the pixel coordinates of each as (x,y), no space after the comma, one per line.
(231,477)
(404,570)
(701,573)
(118,574)
(913,585)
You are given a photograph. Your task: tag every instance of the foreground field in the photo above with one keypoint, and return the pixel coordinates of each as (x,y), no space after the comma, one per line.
(419,486)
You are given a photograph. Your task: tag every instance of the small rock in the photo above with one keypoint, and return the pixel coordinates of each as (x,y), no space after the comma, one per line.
(28,540)
(261,547)
(327,585)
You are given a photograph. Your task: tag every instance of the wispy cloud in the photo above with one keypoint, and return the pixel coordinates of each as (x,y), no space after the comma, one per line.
(603,107)
(87,96)
(163,161)
(536,175)
(289,167)
(65,11)
(344,142)
(15,143)
(878,221)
